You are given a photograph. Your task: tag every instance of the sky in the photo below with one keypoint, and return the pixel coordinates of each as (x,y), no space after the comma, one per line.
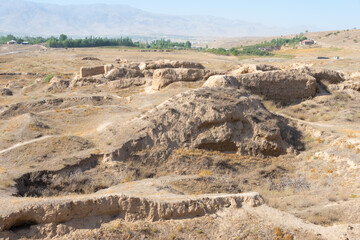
(313,14)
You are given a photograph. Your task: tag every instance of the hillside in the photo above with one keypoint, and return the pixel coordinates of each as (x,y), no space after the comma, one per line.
(336,38)
(24,17)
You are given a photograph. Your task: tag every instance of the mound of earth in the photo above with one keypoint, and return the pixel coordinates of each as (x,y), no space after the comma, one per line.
(23,128)
(283,86)
(171,64)
(43,153)
(125,83)
(57,84)
(322,75)
(49,104)
(6,92)
(124,73)
(163,77)
(221,119)
(90,58)
(81,82)
(253,68)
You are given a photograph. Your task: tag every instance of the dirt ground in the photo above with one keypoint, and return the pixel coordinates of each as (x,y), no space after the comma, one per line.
(50,151)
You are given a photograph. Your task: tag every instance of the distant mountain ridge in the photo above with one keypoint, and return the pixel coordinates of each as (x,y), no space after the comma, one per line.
(25,17)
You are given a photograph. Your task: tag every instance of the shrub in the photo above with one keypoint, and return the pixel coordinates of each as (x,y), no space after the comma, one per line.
(48,78)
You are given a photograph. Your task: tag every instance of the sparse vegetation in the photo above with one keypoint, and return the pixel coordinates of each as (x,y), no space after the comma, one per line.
(48,78)
(261,49)
(324,218)
(332,33)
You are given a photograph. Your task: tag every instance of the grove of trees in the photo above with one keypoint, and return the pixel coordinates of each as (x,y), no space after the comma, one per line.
(19,40)
(63,41)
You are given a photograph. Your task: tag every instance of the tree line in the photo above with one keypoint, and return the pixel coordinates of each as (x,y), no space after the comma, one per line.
(19,40)
(63,41)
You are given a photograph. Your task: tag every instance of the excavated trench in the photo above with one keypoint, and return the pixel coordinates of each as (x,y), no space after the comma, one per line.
(225,146)
(71,179)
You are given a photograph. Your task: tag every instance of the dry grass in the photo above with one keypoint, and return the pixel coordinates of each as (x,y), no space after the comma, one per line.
(6,183)
(205,172)
(324,218)
(272,106)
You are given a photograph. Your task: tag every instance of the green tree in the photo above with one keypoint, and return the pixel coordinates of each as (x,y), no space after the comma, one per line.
(19,40)
(63,37)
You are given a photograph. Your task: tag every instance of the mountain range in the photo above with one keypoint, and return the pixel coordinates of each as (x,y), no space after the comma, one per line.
(30,18)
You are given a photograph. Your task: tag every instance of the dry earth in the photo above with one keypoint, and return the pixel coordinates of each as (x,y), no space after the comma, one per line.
(255,153)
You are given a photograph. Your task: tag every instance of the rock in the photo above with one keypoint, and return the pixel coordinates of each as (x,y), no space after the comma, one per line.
(125,83)
(282,86)
(355,75)
(10,74)
(91,71)
(13,85)
(81,82)
(173,64)
(142,66)
(209,73)
(147,73)
(221,119)
(346,85)
(129,99)
(58,84)
(220,81)
(132,65)
(163,77)
(6,92)
(266,67)
(124,73)
(354,86)
(253,68)
(91,59)
(107,68)
(34,86)
(330,76)
(118,60)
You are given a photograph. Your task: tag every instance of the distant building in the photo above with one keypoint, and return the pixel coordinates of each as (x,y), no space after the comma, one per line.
(308,42)
(265,49)
(11,42)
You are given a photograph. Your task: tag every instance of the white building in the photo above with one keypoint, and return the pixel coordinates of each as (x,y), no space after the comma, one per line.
(11,42)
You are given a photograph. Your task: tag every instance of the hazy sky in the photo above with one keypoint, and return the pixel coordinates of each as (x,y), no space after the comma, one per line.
(318,14)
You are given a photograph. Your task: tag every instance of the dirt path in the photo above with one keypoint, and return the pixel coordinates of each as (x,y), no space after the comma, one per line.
(25,143)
